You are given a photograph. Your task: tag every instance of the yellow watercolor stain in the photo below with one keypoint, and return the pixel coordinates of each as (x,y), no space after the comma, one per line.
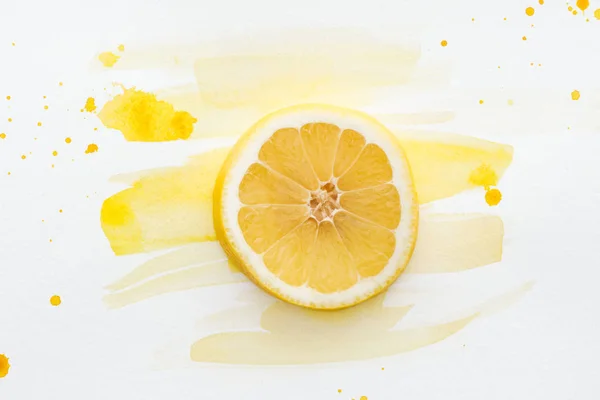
(10,120)
(90,105)
(2,135)
(575,95)
(60,83)
(121,47)
(55,153)
(524,38)
(530,11)
(570,8)
(68,140)
(165,207)
(574,12)
(4,365)
(142,118)
(444,43)
(583,4)
(91,148)
(484,175)
(480,101)
(7,97)
(55,300)
(39,124)
(597,14)
(493,197)
(339,390)
(108,59)
(23,157)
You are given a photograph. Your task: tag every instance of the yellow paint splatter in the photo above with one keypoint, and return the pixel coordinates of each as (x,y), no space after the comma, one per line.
(583,4)
(597,14)
(2,135)
(339,390)
(60,211)
(143,118)
(510,102)
(90,105)
(530,11)
(121,47)
(92,148)
(55,300)
(493,197)
(480,101)
(10,120)
(574,12)
(23,157)
(4,365)
(55,153)
(575,95)
(13,43)
(363,398)
(484,175)
(108,59)
(39,124)
(444,43)
(68,140)
(541,2)
(7,97)
(570,8)
(60,83)
(45,107)
(524,38)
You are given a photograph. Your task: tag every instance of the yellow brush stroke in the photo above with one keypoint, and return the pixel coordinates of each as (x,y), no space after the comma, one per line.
(141,117)
(173,206)
(167,208)
(300,336)
(442,164)
(456,242)
(447,243)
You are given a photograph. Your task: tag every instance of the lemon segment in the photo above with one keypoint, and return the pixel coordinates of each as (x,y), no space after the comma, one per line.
(317,205)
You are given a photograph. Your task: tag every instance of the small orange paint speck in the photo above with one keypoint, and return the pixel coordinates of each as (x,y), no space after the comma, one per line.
(4,365)
(583,4)
(524,38)
(529,11)
(55,300)
(531,64)
(23,157)
(45,107)
(55,153)
(68,140)
(2,135)
(597,13)
(493,197)
(39,124)
(480,101)
(121,47)
(92,148)
(444,43)
(575,95)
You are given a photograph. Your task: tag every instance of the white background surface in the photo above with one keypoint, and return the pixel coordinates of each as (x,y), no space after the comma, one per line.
(543,347)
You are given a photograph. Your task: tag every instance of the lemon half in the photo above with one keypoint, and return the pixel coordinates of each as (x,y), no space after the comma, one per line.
(317,205)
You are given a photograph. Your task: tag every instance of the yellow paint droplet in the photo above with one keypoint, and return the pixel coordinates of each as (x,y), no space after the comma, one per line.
(52,165)
(570,8)
(68,140)
(484,175)
(39,124)
(597,13)
(510,102)
(541,2)
(44,97)
(583,4)
(92,148)
(60,83)
(95,129)
(473,19)
(141,117)
(55,300)
(121,47)
(575,95)
(90,105)
(23,157)
(60,211)
(108,59)
(493,197)
(50,240)
(7,97)
(55,153)
(531,64)
(45,107)
(10,120)
(13,43)
(480,101)
(8,173)
(4,365)
(529,11)
(444,43)
(363,398)
(2,135)
(524,38)
(339,390)
(574,12)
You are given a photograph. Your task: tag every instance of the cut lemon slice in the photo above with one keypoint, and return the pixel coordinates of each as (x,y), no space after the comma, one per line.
(317,205)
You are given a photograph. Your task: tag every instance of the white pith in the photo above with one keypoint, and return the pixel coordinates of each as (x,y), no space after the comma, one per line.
(373,132)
